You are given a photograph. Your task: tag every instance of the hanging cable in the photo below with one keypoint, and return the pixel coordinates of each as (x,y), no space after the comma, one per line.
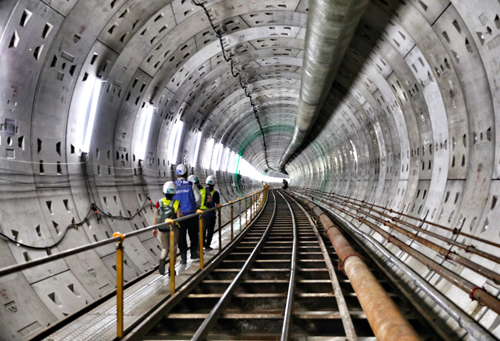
(48,246)
(236,75)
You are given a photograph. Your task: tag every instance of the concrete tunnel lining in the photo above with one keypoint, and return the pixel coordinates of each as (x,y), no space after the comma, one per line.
(410,124)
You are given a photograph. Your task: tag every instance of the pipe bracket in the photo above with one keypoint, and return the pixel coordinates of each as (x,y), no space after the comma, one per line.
(471,295)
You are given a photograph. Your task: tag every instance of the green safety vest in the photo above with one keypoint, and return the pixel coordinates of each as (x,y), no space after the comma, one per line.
(167,202)
(203,193)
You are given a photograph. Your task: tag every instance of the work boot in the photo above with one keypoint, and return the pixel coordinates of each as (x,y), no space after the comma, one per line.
(161,267)
(183,257)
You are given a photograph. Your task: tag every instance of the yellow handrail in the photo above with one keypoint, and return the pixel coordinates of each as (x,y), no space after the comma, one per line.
(119,239)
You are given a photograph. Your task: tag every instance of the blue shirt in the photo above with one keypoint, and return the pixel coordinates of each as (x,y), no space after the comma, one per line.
(185,196)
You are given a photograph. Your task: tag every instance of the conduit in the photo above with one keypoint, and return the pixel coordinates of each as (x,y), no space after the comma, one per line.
(386,321)
(447,254)
(330,28)
(474,292)
(464,320)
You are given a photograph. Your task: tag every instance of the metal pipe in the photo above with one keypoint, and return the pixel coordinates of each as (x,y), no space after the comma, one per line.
(468,248)
(386,320)
(330,28)
(172,260)
(200,237)
(454,231)
(474,292)
(119,284)
(464,320)
(447,254)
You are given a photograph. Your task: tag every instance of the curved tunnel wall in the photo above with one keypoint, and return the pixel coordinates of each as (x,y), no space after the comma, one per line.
(409,124)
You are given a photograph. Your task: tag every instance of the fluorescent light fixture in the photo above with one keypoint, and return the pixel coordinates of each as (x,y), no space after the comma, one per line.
(232,163)
(90,114)
(217,155)
(196,149)
(143,131)
(207,157)
(175,140)
(225,159)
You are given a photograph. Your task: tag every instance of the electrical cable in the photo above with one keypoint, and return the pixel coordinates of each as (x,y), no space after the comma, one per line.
(93,207)
(48,246)
(236,75)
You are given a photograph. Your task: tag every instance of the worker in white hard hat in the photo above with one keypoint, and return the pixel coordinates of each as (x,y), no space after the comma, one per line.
(189,196)
(209,198)
(194,179)
(168,208)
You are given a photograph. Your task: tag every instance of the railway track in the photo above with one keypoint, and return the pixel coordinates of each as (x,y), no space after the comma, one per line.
(279,281)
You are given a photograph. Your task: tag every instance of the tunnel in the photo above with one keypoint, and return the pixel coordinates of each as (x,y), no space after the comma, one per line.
(100,100)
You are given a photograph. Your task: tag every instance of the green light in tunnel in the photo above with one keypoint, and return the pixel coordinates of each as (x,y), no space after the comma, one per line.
(269,129)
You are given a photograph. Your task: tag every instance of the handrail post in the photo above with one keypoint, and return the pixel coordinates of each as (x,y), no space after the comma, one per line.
(252,209)
(246,209)
(119,285)
(220,229)
(172,259)
(232,216)
(239,202)
(201,237)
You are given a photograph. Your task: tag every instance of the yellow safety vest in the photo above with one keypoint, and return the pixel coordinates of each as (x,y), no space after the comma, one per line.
(203,193)
(167,202)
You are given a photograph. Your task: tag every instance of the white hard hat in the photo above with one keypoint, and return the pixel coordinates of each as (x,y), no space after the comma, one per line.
(169,187)
(181,169)
(211,180)
(193,178)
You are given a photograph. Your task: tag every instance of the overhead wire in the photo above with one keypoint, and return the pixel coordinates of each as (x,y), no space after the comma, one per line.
(236,75)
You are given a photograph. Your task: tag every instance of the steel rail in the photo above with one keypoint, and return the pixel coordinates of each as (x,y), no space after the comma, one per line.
(339,295)
(208,323)
(453,230)
(464,320)
(447,254)
(285,332)
(137,331)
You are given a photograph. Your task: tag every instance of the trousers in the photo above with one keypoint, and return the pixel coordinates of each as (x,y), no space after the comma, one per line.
(191,227)
(165,242)
(208,230)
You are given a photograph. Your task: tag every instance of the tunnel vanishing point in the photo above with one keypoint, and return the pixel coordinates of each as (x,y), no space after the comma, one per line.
(390,105)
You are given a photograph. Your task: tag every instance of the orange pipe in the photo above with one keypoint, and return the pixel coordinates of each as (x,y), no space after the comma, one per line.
(386,321)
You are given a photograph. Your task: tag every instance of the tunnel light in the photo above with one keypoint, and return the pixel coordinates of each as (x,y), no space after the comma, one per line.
(217,156)
(246,169)
(207,157)
(232,162)
(175,141)
(225,159)
(354,152)
(143,131)
(196,149)
(90,114)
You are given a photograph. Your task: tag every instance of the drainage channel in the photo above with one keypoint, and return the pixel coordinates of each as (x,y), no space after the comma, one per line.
(277,283)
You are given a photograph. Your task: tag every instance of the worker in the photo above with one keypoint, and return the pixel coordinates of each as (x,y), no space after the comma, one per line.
(168,209)
(194,179)
(189,196)
(209,198)
(285,184)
